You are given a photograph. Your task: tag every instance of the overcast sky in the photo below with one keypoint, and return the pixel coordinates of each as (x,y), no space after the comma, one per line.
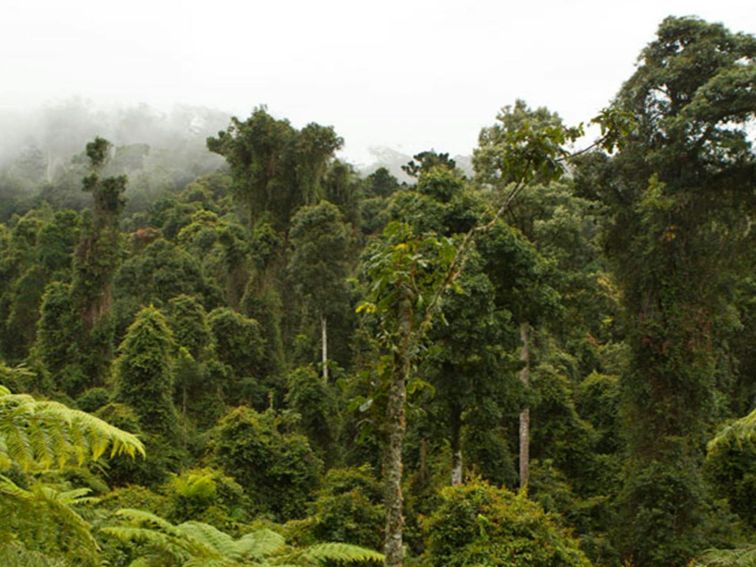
(410,74)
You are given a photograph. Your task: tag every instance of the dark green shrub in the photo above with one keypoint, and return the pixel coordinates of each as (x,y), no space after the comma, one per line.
(477,524)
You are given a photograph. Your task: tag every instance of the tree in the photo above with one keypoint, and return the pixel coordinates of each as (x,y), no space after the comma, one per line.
(318,264)
(59,330)
(679,191)
(190,326)
(403,279)
(278,470)
(39,436)
(424,161)
(315,401)
(240,344)
(731,465)
(477,524)
(275,167)
(144,374)
(520,277)
(403,271)
(381,183)
(500,159)
(95,261)
(97,254)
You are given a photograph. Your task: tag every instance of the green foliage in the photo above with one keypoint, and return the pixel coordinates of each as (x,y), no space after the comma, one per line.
(275,167)
(93,399)
(318,262)
(381,183)
(222,246)
(97,253)
(164,455)
(240,344)
(45,518)
(208,495)
(58,333)
(159,273)
(16,555)
(38,434)
(679,192)
(731,466)
(476,524)
(144,373)
(316,402)
(559,433)
(277,470)
(24,312)
(427,160)
(598,400)
(264,304)
(739,557)
(662,522)
(194,543)
(190,326)
(526,145)
(347,508)
(56,242)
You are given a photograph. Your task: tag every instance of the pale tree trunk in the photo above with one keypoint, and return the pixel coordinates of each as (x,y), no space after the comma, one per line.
(525,414)
(324,342)
(393,548)
(456,446)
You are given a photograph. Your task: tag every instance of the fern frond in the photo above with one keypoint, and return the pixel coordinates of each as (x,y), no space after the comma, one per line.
(344,552)
(43,503)
(141,517)
(739,557)
(740,431)
(44,434)
(258,544)
(208,536)
(194,544)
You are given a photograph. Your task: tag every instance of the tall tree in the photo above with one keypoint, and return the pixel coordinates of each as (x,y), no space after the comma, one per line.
(681,195)
(499,160)
(97,254)
(318,264)
(95,262)
(276,168)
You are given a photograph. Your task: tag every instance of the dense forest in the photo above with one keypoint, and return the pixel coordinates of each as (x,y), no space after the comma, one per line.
(265,357)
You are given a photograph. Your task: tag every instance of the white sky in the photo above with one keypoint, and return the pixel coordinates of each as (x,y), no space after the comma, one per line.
(409,75)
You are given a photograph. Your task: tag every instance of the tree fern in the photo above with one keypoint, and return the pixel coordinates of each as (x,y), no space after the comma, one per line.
(44,517)
(194,544)
(739,557)
(38,435)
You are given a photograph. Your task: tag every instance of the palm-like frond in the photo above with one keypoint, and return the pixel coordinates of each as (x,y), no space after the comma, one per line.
(194,544)
(319,553)
(739,557)
(38,434)
(42,504)
(162,539)
(16,555)
(260,543)
(739,432)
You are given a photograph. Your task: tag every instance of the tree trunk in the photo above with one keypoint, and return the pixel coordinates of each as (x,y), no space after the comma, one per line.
(324,343)
(393,548)
(525,413)
(456,445)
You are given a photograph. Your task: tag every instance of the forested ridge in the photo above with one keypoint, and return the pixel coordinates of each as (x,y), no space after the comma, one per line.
(273,359)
